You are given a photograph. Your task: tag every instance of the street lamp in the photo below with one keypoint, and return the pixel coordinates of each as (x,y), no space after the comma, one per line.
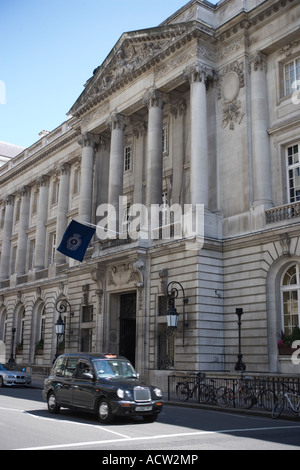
(172,314)
(240,366)
(61,307)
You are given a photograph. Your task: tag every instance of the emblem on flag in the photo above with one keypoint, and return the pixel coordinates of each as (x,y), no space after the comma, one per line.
(76,240)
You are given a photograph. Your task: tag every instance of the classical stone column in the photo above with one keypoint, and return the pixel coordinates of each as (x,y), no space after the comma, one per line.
(62,208)
(102,171)
(199,181)
(23,226)
(87,142)
(262,183)
(117,124)
(42,215)
(7,231)
(139,132)
(178,110)
(155,101)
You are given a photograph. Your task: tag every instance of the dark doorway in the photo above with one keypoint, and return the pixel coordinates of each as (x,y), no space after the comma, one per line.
(128,326)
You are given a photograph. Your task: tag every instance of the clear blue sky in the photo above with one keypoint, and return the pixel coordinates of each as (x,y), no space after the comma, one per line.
(49,48)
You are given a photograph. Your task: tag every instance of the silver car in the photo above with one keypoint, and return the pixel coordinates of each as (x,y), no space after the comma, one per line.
(13,377)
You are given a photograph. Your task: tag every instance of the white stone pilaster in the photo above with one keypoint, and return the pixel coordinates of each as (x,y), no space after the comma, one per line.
(117,124)
(87,142)
(62,208)
(22,233)
(42,215)
(199,178)
(155,100)
(262,182)
(7,231)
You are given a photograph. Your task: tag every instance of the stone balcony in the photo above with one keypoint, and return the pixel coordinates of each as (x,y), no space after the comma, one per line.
(285,213)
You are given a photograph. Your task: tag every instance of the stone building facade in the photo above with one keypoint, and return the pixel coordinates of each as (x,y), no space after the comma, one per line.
(202,109)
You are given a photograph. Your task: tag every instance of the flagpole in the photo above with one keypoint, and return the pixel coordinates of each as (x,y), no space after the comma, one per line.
(97,226)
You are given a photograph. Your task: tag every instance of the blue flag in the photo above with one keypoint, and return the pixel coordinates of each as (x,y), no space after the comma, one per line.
(75,241)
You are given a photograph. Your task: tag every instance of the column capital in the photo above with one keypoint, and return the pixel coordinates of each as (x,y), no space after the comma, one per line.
(258,62)
(154,98)
(88,140)
(178,108)
(117,121)
(25,191)
(43,181)
(9,200)
(65,169)
(199,73)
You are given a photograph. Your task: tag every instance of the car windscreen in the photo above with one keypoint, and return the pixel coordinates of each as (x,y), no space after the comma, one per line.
(114,368)
(2,367)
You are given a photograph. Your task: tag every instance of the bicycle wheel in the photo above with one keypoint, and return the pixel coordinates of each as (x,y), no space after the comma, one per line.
(204,394)
(245,398)
(267,399)
(223,396)
(182,391)
(278,408)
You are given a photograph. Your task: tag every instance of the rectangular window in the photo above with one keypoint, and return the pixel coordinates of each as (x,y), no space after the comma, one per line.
(293,173)
(291,76)
(17,210)
(52,247)
(35,198)
(76,187)
(165,139)
(55,189)
(127,158)
(31,253)
(87,313)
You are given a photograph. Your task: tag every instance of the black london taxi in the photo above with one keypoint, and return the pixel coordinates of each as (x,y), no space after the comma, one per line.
(104,384)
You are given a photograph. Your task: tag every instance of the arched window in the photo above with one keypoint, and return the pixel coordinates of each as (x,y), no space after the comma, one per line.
(290,295)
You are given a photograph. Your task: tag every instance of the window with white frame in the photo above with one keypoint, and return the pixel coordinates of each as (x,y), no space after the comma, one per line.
(55,190)
(52,247)
(292,76)
(165,139)
(290,289)
(293,173)
(127,158)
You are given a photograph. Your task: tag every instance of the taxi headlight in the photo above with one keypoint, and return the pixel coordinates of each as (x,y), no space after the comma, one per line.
(158,392)
(120,393)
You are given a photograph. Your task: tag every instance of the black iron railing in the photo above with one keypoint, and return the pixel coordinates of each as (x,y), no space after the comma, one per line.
(245,391)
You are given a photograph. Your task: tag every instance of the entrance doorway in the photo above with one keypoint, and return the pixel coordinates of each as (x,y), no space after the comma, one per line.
(128,326)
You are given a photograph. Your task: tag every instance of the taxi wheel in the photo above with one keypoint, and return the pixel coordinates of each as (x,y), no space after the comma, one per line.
(104,412)
(51,402)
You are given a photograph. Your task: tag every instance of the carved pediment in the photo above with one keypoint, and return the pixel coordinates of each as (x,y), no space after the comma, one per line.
(133,53)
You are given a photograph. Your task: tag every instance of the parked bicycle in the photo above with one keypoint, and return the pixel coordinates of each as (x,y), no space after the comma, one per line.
(264,396)
(241,394)
(289,400)
(190,387)
(196,388)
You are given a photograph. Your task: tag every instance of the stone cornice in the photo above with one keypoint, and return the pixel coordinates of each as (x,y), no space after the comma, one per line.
(248,20)
(39,156)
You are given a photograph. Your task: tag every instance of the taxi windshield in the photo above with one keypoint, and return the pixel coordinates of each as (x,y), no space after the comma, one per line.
(114,368)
